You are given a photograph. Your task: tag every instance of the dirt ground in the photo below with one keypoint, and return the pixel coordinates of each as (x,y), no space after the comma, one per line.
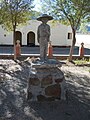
(13,89)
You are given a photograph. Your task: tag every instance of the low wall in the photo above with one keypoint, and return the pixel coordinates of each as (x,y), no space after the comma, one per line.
(58,57)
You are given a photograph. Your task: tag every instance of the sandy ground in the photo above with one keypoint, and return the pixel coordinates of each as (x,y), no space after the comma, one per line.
(13,89)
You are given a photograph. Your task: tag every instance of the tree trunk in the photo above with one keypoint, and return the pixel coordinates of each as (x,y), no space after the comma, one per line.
(73,44)
(14,43)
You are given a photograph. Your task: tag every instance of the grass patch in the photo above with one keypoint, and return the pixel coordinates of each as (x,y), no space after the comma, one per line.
(82,61)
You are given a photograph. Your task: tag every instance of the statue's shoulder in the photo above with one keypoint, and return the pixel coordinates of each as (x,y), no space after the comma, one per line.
(48,25)
(40,25)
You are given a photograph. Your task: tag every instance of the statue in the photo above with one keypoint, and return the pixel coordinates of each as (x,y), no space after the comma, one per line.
(43,35)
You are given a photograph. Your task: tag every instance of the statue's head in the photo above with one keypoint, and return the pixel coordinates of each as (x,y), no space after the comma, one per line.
(44,18)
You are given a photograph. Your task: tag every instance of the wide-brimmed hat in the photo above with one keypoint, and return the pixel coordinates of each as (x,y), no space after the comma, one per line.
(44,16)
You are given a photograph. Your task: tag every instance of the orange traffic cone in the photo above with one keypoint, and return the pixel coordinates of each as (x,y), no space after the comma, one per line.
(82,50)
(18,49)
(50,50)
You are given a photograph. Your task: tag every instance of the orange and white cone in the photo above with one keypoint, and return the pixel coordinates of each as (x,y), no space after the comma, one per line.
(50,50)
(82,50)
(18,49)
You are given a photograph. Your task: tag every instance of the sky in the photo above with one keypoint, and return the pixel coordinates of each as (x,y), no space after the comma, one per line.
(37,5)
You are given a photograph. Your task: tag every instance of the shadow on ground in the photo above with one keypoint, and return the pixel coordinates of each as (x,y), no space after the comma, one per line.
(14,106)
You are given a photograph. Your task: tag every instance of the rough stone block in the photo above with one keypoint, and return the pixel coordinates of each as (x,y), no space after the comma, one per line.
(33,80)
(53,90)
(41,98)
(59,80)
(50,99)
(46,81)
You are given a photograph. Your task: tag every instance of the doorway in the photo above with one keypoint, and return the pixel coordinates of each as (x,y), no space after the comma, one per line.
(19,37)
(31,39)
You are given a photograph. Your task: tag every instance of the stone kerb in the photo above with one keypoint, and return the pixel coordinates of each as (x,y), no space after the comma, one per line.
(46,81)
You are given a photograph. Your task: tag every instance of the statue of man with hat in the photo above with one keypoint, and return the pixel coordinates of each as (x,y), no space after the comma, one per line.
(43,35)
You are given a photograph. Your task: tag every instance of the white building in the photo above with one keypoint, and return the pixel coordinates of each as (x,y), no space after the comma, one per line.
(85,38)
(61,35)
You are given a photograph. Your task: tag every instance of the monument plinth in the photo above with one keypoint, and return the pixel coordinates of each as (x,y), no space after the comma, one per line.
(46,81)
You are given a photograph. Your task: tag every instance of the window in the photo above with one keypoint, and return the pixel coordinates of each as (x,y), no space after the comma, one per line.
(69,35)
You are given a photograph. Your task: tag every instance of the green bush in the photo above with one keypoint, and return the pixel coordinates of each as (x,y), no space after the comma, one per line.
(82,61)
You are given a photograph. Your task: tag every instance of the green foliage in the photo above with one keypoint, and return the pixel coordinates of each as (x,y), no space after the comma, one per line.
(82,61)
(35,14)
(83,28)
(15,12)
(69,12)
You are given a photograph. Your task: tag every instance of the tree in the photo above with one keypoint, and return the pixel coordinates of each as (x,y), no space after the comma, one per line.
(69,12)
(83,28)
(14,13)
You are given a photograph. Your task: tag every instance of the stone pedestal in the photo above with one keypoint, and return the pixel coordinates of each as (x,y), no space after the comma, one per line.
(46,81)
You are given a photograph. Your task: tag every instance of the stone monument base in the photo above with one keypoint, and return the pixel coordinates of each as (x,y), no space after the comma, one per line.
(46,81)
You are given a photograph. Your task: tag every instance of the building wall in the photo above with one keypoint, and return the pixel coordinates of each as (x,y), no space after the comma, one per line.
(69,41)
(5,37)
(85,38)
(59,34)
